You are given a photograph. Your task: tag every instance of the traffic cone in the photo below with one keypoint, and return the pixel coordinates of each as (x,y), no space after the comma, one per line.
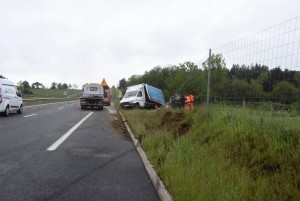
(74,103)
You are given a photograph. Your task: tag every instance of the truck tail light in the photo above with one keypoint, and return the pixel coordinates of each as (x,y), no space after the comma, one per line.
(0,95)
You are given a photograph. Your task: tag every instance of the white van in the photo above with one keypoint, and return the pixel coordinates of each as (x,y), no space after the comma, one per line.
(142,96)
(10,97)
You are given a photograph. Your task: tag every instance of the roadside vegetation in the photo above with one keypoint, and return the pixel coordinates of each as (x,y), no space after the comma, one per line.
(55,92)
(46,101)
(234,84)
(44,96)
(235,154)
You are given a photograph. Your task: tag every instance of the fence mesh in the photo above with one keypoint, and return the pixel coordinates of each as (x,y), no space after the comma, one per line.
(261,70)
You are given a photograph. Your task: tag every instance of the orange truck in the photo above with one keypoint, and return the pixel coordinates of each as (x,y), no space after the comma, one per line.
(107,93)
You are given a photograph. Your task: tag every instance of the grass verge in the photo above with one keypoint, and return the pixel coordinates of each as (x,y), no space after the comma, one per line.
(232,155)
(54,92)
(45,101)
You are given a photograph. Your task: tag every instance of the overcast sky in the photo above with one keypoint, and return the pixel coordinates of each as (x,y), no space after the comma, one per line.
(74,42)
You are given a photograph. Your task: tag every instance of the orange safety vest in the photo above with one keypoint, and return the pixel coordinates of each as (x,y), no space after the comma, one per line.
(192,98)
(188,99)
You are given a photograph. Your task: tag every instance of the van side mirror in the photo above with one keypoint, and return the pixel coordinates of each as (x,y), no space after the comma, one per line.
(19,93)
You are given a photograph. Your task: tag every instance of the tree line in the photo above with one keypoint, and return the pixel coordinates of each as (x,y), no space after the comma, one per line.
(240,83)
(25,86)
(55,85)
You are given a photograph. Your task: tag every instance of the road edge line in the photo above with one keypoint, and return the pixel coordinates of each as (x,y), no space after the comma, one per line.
(156,181)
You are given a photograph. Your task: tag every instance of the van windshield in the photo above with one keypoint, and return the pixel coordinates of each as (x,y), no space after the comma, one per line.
(130,94)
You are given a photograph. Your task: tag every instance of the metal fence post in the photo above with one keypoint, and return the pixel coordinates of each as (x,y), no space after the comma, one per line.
(208,84)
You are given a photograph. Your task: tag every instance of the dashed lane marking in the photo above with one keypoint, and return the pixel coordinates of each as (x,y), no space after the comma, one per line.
(67,134)
(30,115)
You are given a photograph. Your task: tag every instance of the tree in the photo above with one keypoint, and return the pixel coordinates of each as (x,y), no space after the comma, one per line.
(20,86)
(262,78)
(218,73)
(182,79)
(276,75)
(53,85)
(285,92)
(155,77)
(133,80)
(64,86)
(256,92)
(70,86)
(247,72)
(196,84)
(176,80)
(37,85)
(20,83)
(26,84)
(75,86)
(122,84)
(59,86)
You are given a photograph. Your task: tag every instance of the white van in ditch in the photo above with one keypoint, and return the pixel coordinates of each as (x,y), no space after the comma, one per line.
(10,97)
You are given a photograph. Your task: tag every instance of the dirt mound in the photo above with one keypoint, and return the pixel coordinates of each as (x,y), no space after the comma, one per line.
(118,124)
(175,122)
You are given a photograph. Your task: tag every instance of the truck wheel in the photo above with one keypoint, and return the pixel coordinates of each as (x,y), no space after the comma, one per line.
(100,108)
(137,106)
(6,112)
(20,111)
(82,107)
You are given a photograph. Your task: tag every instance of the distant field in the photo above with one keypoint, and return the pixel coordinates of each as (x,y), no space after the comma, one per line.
(55,92)
(29,102)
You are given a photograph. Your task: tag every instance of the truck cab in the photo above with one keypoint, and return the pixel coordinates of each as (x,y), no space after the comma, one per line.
(134,97)
(92,96)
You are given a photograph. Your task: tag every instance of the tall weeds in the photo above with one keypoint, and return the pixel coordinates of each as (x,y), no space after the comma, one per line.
(232,155)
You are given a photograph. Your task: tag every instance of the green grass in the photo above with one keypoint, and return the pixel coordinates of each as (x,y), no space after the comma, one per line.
(44,96)
(54,92)
(232,155)
(38,101)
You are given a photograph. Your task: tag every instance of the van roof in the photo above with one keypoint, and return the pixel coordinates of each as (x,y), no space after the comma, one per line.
(134,87)
(6,81)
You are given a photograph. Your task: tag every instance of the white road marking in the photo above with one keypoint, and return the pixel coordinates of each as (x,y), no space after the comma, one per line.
(60,108)
(30,115)
(67,134)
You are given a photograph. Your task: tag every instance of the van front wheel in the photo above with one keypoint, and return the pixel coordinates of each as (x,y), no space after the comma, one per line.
(20,111)
(137,106)
(6,112)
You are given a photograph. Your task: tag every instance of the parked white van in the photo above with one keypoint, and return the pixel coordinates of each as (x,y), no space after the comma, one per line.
(10,97)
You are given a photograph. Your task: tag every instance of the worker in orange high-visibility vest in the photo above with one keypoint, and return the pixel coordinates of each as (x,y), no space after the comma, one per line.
(187,98)
(192,101)
(187,102)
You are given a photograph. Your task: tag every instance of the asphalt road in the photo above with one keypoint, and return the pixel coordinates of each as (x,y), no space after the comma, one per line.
(92,162)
